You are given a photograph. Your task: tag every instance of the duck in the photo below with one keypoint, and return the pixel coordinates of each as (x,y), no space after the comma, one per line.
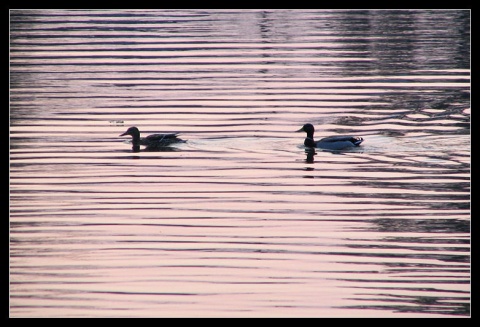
(338,142)
(151,141)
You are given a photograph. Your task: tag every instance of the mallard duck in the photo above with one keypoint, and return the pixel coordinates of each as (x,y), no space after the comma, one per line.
(331,142)
(151,141)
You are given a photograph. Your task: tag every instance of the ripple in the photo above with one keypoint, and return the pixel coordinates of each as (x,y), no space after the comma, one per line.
(240,220)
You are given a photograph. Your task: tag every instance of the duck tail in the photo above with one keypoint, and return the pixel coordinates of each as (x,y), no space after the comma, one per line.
(357,140)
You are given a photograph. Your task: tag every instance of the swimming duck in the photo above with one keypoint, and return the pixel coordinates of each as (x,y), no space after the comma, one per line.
(332,142)
(151,141)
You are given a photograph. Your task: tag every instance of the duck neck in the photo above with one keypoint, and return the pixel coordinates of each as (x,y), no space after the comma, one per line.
(309,142)
(136,139)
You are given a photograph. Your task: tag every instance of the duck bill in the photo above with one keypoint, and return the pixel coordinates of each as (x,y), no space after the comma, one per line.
(126,133)
(300,130)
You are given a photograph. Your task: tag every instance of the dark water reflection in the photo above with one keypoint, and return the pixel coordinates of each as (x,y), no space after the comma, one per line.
(241,220)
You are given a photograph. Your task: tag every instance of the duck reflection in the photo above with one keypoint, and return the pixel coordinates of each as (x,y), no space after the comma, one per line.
(310,155)
(136,148)
(310,159)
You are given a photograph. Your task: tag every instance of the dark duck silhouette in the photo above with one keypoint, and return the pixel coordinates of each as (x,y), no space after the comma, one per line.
(152,142)
(339,142)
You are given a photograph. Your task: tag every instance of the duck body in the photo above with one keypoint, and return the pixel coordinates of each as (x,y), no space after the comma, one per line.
(152,141)
(339,142)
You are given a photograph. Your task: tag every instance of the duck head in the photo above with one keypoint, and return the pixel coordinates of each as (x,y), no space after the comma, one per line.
(133,131)
(309,129)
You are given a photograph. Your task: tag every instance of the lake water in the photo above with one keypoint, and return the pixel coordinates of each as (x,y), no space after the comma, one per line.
(239,221)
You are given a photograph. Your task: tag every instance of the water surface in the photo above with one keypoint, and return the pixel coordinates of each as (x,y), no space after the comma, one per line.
(239,221)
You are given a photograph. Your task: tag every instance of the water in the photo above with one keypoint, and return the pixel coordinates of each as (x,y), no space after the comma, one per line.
(239,221)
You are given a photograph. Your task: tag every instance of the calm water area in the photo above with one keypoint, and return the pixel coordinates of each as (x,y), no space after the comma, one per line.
(240,220)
